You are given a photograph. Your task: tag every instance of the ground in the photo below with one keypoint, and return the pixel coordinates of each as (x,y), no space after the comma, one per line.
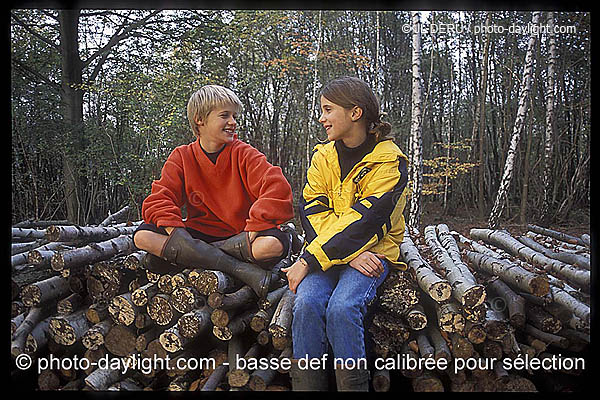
(466,219)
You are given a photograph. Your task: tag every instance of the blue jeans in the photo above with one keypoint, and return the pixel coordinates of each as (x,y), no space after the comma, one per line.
(330,306)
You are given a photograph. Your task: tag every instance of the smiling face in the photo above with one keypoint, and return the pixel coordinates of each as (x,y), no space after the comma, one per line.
(341,123)
(335,119)
(218,128)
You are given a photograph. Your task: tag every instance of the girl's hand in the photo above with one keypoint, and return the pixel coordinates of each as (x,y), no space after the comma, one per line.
(295,273)
(368,264)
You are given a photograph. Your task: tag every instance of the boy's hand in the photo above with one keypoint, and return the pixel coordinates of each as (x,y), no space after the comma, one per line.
(368,264)
(295,273)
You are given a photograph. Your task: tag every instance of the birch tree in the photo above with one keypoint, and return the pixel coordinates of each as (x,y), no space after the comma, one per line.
(517,130)
(482,99)
(416,139)
(549,114)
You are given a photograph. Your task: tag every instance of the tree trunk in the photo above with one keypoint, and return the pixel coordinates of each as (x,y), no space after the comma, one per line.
(525,187)
(549,137)
(416,139)
(85,233)
(518,128)
(92,253)
(510,273)
(481,136)
(71,95)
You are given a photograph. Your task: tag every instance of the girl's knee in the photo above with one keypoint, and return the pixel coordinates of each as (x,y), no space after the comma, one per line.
(343,310)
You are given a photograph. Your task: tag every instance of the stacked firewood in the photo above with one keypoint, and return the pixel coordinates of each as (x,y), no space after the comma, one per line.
(485,304)
(83,293)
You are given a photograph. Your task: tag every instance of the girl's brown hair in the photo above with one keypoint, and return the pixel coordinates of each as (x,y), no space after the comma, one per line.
(347,92)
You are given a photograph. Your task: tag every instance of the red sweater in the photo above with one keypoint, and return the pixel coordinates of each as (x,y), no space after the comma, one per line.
(241,192)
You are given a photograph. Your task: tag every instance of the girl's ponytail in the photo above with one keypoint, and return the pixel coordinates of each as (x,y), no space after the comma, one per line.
(380,128)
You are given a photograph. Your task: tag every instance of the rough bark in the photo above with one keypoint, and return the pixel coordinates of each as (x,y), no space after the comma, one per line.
(45,291)
(431,283)
(33,318)
(92,253)
(94,337)
(194,323)
(556,234)
(68,329)
(85,233)
(505,241)
(281,322)
(517,130)
(119,216)
(464,286)
(568,258)
(510,273)
(509,299)
(237,325)
(416,140)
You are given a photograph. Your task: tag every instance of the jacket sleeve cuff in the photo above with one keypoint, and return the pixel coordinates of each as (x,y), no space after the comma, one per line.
(311,260)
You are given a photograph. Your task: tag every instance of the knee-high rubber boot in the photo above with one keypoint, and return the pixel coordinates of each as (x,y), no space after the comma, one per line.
(159,266)
(308,379)
(352,380)
(181,248)
(238,246)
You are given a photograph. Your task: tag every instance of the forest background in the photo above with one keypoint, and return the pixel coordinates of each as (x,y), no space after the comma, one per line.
(98,102)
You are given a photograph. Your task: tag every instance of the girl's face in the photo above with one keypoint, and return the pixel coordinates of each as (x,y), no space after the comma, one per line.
(337,120)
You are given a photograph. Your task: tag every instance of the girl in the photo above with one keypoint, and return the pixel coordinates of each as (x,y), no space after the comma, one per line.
(351,211)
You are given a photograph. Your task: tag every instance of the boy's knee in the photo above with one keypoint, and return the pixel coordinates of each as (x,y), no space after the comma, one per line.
(140,239)
(149,241)
(266,247)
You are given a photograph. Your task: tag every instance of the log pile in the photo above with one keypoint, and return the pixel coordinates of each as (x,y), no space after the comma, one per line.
(491,301)
(83,293)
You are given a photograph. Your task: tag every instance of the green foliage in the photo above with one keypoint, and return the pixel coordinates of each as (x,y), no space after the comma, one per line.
(135,97)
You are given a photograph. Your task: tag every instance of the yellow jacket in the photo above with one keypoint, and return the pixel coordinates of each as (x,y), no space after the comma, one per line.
(363,212)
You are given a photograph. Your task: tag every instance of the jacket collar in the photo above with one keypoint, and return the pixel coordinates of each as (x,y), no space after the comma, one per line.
(384,151)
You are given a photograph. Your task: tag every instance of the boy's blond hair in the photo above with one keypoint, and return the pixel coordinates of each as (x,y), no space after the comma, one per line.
(206,99)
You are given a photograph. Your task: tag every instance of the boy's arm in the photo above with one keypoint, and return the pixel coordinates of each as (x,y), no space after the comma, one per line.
(163,206)
(365,223)
(273,193)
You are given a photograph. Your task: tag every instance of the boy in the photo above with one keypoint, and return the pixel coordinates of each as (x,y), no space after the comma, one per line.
(234,198)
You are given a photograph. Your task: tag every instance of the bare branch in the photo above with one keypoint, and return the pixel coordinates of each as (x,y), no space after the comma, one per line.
(34,33)
(19,65)
(103,52)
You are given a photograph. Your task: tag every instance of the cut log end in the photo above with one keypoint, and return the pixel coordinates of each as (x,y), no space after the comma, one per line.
(540,286)
(222,333)
(62,332)
(57,262)
(170,342)
(440,291)
(474,296)
(31,295)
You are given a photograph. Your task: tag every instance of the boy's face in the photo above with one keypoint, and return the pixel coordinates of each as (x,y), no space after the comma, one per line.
(218,128)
